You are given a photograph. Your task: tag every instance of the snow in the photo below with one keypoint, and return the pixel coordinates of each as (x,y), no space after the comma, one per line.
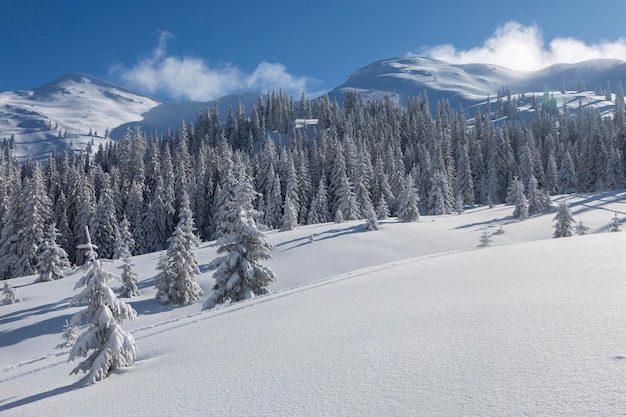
(76,104)
(412,319)
(467,85)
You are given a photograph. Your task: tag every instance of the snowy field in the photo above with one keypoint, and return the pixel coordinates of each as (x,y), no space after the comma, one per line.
(409,320)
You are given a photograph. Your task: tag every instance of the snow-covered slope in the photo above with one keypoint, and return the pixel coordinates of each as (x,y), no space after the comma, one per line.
(410,320)
(64,111)
(468,84)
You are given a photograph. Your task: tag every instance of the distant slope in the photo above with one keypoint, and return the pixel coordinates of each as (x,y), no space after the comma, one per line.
(469,84)
(64,111)
(171,115)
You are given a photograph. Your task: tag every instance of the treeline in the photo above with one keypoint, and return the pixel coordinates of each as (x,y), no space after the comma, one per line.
(360,157)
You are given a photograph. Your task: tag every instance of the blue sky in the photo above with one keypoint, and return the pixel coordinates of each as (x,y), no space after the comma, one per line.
(199,50)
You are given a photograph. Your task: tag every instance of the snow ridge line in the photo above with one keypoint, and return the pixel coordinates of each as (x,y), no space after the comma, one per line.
(236,307)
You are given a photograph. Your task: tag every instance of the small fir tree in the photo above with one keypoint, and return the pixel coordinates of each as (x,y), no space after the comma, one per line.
(10,294)
(615,225)
(53,259)
(176,282)
(339,216)
(485,240)
(372,221)
(70,334)
(239,274)
(124,244)
(105,344)
(580,228)
(564,222)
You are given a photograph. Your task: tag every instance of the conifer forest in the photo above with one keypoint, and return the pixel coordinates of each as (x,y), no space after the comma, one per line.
(360,160)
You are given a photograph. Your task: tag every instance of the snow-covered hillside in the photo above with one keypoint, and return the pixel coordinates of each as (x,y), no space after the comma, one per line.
(409,320)
(64,111)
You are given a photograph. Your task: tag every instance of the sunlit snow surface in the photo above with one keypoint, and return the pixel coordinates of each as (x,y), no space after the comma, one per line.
(63,112)
(410,320)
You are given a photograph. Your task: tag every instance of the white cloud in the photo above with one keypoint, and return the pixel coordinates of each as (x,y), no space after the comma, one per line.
(520,47)
(192,78)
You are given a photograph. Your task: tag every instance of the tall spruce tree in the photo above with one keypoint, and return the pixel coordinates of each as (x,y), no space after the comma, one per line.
(53,259)
(408,200)
(239,274)
(176,282)
(564,222)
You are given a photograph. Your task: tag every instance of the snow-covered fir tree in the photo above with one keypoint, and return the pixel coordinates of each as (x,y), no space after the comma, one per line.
(290,216)
(105,223)
(564,222)
(615,225)
(53,259)
(124,241)
(382,209)
(70,334)
(408,200)
(37,210)
(239,273)
(104,343)
(372,221)
(124,244)
(580,228)
(517,197)
(485,240)
(538,200)
(10,294)
(440,195)
(176,282)
(319,206)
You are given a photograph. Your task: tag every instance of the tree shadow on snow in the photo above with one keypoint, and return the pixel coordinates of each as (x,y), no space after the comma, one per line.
(49,326)
(490,222)
(36,310)
(329,234)
(150,306)
(41,396)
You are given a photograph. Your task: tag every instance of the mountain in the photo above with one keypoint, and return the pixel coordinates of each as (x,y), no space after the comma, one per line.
(63,113)
(470,84)
(409,320)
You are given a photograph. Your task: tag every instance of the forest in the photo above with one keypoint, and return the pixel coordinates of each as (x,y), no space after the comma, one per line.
(362,160)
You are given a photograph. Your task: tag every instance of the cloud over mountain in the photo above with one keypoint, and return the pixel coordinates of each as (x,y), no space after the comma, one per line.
(193,78)
(519,47)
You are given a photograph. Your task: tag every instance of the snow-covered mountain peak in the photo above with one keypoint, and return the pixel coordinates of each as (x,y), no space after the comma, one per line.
(72,110)
(468,84)
(78,83)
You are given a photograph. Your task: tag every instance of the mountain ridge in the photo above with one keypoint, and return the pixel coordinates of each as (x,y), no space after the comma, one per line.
(77,109)
(468,84)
